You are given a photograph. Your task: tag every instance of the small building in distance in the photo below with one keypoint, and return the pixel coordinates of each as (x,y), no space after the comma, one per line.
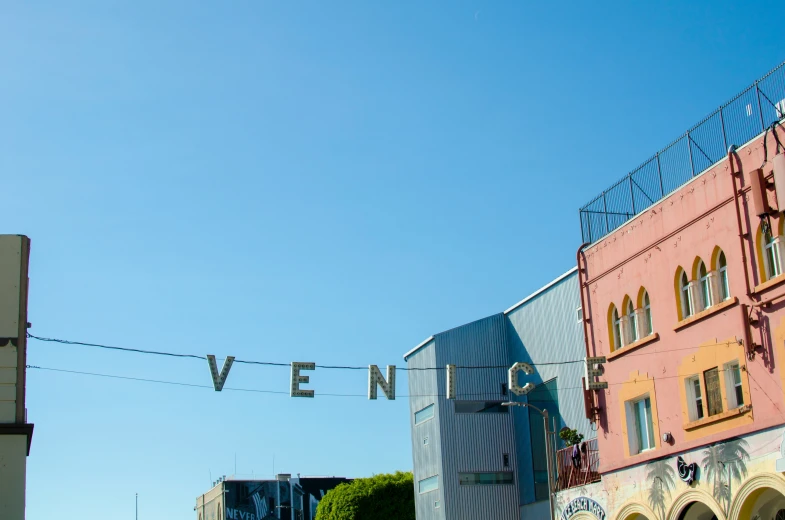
(285,497)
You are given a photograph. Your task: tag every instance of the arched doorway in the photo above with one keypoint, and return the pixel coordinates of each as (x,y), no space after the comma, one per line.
(695,504)
(635,511)
(760,498)
(765,504)
(697,511)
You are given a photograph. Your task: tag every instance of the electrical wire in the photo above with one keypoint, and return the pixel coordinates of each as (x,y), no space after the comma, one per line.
(475,395)
(271,363)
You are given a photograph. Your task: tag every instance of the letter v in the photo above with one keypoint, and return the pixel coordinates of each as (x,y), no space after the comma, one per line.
(219,380)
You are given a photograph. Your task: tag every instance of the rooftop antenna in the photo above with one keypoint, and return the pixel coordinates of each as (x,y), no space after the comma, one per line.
(137,506)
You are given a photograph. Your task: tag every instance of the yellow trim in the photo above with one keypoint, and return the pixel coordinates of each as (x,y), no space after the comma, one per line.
(714,309)
(695,495)
(637,386)
(761,257)
(770,283)
(677,291)
(641,292)
(611,335)
(715,258)
(710,355)
(717,418)
(632,346)
(695,264)
(630,510)
(625,302)
(750,491)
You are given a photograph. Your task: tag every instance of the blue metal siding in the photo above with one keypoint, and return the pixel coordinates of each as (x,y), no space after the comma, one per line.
(543,328)
(476,442)
(427,457)
(546,329)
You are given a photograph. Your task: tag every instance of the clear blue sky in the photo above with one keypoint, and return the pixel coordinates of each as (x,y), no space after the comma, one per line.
(311,181)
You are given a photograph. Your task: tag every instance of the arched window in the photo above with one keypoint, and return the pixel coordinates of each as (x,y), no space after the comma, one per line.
(615,323)
(648,327)
(684,295)
(771,247)
(705,285)
(632,322)
(723,270)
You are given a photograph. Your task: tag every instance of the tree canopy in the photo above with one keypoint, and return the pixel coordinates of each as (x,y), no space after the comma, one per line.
(389,496)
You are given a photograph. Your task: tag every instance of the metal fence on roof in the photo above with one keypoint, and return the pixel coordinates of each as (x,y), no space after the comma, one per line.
(736,122)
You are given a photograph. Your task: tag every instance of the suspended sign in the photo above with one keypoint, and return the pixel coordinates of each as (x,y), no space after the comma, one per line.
(376,380)
(593,371)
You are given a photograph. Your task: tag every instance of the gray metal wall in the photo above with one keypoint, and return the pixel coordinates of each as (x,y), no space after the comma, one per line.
(476,442)
(423,390)
(546,329)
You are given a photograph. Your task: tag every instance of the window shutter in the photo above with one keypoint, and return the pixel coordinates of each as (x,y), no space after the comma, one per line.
(632,429)
(730,390)
(780,252)
(692,409)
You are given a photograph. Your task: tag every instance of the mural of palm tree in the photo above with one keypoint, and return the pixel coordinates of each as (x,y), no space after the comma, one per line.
(731,456)
(735,457)
(662,479)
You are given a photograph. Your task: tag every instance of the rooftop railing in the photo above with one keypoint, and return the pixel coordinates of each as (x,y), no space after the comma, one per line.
(578,471)
(736,122)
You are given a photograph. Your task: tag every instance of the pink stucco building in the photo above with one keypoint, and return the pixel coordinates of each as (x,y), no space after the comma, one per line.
(686,302)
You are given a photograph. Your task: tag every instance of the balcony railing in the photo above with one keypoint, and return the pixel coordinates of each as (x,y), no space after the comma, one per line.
(572,472)
(736,122)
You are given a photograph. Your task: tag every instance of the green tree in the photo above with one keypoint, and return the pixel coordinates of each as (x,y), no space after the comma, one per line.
(381,497)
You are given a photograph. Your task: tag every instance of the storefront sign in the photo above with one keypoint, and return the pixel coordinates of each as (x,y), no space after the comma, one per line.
(686,471)
(583,504)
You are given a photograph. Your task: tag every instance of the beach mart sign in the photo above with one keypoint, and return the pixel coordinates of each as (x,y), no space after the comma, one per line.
(583,504)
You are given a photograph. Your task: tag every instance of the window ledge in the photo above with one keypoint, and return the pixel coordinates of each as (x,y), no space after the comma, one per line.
(632,346)
(716,418)
(714,309)
(770,283)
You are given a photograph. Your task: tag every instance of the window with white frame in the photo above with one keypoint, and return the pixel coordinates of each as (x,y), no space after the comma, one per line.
(428,484)
(424,414)
(632,323)
(733,388)
(704,283)
(773,254)
(648,326)
(640,425)
(694,398)
(616,329)
(684,293)
(722,266)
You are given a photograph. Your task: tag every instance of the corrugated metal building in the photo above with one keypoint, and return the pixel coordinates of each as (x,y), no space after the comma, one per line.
(472,457)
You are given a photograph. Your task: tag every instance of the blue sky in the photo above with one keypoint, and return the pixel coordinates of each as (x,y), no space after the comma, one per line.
(309,181)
